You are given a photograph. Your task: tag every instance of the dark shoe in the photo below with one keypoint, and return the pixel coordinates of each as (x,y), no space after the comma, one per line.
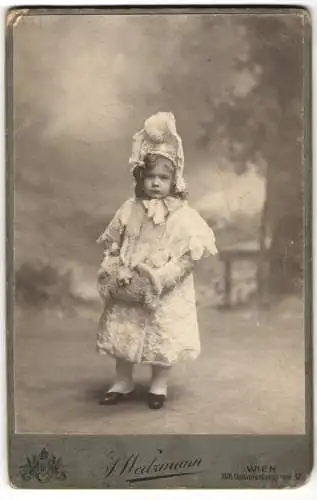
(155,401)
(112,398)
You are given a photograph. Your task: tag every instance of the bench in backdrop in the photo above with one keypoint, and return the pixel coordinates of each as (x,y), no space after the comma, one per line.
(248,251)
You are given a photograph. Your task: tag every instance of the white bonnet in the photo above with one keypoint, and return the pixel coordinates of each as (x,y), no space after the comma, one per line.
(159,136)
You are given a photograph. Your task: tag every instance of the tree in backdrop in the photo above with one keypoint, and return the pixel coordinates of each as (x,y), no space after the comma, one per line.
(264,125)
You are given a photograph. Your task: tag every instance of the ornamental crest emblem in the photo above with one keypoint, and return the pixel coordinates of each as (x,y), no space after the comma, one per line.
(42,467)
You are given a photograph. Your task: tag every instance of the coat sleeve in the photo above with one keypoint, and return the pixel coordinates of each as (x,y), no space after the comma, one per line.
(169,275)
(189,240)
(174,272)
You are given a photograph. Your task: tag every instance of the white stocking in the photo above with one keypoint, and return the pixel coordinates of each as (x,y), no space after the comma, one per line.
(160,376)
(123,382)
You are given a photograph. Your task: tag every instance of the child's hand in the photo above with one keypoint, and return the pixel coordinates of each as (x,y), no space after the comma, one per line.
(146,271)
(124,276)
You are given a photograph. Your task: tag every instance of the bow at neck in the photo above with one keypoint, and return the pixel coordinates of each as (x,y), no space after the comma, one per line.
(159,209)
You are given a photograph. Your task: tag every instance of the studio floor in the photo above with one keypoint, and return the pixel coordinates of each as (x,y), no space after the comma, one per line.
(249,378)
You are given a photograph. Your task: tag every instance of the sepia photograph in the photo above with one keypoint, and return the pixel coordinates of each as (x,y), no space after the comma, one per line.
(159,230)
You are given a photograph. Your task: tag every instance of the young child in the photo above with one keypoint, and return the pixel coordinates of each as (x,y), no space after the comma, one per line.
(146,276)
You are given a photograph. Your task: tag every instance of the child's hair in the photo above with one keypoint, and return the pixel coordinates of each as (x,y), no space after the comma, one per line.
(138,174)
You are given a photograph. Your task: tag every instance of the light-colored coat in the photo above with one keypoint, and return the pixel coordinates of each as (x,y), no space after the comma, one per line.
(169,245)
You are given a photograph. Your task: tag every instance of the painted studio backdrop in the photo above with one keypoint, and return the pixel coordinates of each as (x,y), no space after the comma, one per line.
(83,85)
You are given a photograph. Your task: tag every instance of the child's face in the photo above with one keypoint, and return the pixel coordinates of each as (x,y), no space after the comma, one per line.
(158,179)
